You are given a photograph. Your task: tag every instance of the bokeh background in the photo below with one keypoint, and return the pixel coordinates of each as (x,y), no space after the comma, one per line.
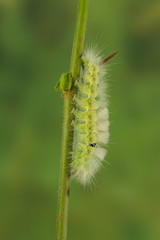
(35,47)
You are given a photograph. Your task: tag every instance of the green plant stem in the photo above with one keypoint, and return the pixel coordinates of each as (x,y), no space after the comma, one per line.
(67,138)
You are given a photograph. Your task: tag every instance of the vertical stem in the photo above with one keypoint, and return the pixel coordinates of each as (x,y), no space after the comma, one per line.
(67,138)
(79,38)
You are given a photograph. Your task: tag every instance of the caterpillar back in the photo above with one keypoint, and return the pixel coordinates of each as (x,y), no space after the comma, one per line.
(91,124)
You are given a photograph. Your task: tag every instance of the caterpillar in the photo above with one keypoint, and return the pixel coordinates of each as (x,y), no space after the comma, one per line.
(91,118)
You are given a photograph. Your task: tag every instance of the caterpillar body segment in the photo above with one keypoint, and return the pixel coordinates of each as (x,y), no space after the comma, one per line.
(91,124)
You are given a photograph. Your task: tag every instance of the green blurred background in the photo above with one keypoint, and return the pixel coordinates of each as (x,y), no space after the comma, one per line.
(35,47)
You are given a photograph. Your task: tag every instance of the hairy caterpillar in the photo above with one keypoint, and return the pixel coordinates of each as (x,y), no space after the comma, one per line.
(91,124)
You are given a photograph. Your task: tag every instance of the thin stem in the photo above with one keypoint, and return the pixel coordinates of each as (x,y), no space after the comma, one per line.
(79,38)
(67,139)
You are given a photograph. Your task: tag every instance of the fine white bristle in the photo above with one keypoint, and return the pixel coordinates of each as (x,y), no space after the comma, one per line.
(103,114)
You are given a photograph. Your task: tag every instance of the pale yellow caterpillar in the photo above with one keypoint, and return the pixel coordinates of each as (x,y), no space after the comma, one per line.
(91,124)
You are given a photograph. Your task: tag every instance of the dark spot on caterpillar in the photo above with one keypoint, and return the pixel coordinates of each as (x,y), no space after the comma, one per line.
(92,144)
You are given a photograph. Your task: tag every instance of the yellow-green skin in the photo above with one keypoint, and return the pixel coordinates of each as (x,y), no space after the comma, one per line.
(87,150)
(86,117)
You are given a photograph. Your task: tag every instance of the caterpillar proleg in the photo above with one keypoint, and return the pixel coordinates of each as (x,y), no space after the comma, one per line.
(91,124)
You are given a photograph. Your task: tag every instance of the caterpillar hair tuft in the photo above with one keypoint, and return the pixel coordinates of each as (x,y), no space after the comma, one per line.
(91,118)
